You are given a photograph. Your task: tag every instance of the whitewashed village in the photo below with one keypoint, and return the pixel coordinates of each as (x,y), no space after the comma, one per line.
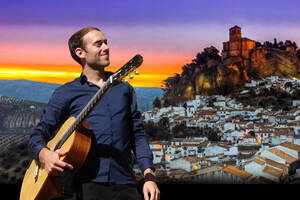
(257,145)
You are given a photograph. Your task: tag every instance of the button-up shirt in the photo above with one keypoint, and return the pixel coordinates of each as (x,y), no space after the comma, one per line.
(118,132)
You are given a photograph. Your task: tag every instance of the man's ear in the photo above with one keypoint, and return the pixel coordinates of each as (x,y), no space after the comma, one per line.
(80,52)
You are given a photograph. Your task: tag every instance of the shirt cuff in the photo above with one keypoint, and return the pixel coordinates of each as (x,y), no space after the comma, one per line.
(145,163)
(36,152)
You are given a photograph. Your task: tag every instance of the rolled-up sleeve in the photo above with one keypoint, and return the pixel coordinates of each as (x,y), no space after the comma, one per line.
(142,149)
(54,114)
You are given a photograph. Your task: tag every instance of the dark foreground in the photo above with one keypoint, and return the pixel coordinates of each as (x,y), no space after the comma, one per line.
(199,191)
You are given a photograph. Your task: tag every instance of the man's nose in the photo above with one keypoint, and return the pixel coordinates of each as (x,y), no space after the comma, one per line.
(105,47)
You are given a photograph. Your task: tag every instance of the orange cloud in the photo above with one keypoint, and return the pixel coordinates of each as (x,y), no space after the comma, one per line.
(53,64)
(61,77)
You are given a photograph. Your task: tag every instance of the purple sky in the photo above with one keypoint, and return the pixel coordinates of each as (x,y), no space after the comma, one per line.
(133,12)
(166,32)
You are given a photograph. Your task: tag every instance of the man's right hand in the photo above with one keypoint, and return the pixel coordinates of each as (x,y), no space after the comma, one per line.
(53,165)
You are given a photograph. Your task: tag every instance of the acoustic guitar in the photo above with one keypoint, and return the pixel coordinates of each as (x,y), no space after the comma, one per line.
(37,184)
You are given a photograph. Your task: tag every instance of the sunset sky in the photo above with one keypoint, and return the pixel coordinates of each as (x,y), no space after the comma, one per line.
(167,33)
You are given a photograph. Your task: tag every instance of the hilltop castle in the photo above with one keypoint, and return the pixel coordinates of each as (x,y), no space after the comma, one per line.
(237,46)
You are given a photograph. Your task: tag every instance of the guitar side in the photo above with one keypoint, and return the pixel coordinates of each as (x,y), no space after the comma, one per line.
(46,186)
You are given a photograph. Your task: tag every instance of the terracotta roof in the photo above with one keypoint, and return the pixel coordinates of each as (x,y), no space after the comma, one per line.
(261,157)
(208,171)
(292,110)
(262,180)
(273,171)
(258,161)
(276,164)
(237,172)
(192,159)
(178,172)
(291,146)
(285,117)
(288,158)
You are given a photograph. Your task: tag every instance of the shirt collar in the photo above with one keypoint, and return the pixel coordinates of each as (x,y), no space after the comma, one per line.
(82,78)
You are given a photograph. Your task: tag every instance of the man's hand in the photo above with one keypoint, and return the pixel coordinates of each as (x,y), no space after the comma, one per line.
(53,165)
(151,188)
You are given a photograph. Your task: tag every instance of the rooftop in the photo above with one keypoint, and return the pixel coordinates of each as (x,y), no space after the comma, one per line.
(237,172)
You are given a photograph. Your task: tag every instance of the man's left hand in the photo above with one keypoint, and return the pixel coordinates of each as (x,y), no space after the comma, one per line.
(151,188)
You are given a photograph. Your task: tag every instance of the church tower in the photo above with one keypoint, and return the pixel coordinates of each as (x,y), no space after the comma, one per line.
(237,46)
(235,34)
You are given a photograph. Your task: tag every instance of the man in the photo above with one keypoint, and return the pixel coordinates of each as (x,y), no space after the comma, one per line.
(115,122)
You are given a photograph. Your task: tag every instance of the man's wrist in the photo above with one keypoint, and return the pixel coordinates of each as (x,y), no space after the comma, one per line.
(41,154)
(149,170)
(149,174)
(150,177)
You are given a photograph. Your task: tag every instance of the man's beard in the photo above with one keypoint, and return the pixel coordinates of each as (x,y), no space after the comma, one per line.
(100,64)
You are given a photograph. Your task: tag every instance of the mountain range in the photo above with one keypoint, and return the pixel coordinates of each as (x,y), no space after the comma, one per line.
(41,92)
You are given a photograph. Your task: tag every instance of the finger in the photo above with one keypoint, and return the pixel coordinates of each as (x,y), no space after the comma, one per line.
(157,195)
(152,194)
(146,195)
(61,152)
(63,164)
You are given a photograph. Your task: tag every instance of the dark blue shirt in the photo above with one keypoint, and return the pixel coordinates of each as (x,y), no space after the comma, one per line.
(116,125)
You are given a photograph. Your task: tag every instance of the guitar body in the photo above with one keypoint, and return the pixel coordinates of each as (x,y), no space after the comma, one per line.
(46,186)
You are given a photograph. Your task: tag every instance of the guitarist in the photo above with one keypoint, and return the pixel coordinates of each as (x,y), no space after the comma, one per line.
(115,123)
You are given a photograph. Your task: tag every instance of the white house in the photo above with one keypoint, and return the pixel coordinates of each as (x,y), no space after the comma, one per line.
(189,164)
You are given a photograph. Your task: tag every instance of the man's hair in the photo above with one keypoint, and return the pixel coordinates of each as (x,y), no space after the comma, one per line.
(76,41)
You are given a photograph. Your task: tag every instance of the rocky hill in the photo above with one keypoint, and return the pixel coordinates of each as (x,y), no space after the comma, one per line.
(209,74)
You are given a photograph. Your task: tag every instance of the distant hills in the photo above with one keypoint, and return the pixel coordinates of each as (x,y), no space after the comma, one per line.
(41,92)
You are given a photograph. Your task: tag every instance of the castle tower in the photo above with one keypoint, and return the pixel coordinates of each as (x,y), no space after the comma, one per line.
(235,34)
(237,46)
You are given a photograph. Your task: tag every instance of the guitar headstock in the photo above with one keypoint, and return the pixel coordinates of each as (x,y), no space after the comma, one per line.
(129,67)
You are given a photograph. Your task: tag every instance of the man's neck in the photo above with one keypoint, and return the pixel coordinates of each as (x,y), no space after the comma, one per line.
(98,77)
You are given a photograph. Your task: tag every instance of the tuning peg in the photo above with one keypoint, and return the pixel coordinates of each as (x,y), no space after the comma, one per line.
(131,77)
(136,72)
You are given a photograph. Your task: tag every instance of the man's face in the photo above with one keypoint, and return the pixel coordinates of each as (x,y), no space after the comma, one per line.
(96,49)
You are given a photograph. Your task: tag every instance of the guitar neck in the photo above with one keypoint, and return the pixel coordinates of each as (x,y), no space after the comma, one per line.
(84,113)
(92,103)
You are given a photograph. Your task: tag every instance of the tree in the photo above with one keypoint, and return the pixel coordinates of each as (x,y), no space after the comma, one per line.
(268,44)
(298,53)
(275,45)
(258,44)
(164,123)
(156,103)
(166,103)
(281,45)
(207,53)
